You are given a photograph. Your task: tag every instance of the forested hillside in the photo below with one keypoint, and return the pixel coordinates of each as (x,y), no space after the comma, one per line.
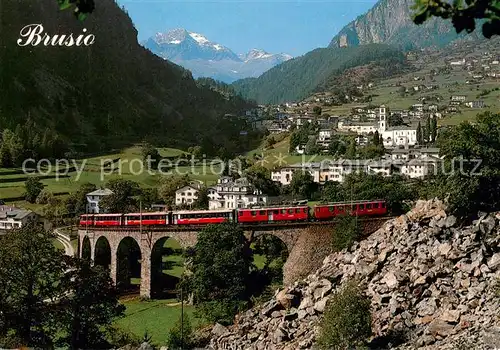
(299,77)
(109,94)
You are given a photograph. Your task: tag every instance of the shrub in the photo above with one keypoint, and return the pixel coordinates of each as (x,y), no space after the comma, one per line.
(44,197)
(221,311)
(347,319)
(181,335)
(346,232)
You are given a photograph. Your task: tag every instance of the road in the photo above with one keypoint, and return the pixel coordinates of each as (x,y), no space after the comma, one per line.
(65,241)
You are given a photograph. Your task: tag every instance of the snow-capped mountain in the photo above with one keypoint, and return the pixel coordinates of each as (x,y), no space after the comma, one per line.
(256,54)
(179,44)
(209,59)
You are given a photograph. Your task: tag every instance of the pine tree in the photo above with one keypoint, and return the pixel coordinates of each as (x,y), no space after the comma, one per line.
(419,134)
(376,138)
(433,129)
(427,130)
(351,150)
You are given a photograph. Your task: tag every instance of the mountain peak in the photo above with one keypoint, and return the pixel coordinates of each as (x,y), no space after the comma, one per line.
(259,54)
(205,58)
(181,44)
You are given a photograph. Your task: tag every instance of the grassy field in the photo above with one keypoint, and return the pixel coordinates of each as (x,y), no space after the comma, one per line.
(156,317)
(278,155)
(57,244)
(127,167)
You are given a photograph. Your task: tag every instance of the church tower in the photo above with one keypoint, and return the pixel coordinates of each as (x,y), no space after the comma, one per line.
(382,117)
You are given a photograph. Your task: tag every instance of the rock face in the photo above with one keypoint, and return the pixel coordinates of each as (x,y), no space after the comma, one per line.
(389,22)
(426,278)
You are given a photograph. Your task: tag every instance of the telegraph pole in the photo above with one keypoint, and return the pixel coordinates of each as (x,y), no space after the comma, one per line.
(182,319)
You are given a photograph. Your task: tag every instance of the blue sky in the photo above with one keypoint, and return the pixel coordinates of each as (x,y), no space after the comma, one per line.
(294,27)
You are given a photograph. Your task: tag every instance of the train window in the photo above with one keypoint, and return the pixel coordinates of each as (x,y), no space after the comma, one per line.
(240,213)
(340,208)
(354,207)
(254,213)
(276,212)
(283,211)
(361,207)
(368,206)
(297,210)
(375,205)
(290,211)
(262,212)
(305,210)
(383,204)
(331,208)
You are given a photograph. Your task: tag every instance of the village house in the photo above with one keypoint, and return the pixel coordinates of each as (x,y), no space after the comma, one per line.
(93,199)
(458,98)
(187,194)
(419,168)
(359,128)
(239,193)
(475,104)
(12,217)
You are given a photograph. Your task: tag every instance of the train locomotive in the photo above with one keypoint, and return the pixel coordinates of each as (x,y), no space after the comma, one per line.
(242,216)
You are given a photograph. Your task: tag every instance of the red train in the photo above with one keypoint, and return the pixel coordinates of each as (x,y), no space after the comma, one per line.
(321,212)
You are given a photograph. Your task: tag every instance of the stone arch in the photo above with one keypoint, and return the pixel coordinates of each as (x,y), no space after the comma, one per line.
(102,252)
(167,265)
(86,247)
(128,264)
(287,236)
(267,243)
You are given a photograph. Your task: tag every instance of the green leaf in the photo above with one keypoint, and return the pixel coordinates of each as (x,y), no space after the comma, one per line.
(82,16)
(65,4)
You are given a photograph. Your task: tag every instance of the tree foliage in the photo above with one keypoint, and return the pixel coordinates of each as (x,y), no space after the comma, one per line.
(393,189)
(302,184)
(463,15)
(33,187)
(181,335)
(122,199)
(260,177)
(150,155)
(91,307)
(347,319)
(47,298)
(221,268)
(346,232)
(471,178)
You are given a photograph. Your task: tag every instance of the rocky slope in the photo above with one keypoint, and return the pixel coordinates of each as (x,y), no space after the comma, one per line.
(389,22)
(430,282)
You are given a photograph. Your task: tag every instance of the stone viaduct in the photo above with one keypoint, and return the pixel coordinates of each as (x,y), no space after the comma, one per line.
(307,244)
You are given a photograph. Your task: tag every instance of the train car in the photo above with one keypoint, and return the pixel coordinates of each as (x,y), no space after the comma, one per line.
(108,219)
(87,220)
(146,219)
(360,208)
(202,217)
(267,215)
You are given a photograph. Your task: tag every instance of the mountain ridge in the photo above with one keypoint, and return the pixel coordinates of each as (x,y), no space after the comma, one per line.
(205,58)
(298,78)
(110,94)
(390,22)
